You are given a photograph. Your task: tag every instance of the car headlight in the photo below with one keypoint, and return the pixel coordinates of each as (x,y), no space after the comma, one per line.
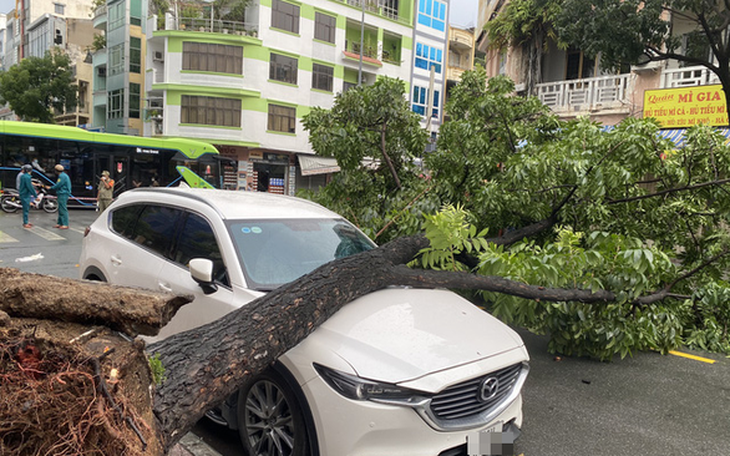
(360,389)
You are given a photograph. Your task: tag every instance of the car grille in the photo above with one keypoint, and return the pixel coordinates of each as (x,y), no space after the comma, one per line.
(466,399)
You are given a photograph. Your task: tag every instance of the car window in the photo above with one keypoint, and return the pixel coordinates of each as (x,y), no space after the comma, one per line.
(155,228)
(275,252)
(197,240)
(124,219)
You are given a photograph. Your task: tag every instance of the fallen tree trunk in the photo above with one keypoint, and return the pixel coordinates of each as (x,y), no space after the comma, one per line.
(207,364)
(130,310)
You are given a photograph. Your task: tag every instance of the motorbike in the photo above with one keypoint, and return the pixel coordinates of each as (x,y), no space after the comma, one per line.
(10,201)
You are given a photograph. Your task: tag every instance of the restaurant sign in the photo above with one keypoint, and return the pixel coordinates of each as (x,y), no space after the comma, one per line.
(687,106)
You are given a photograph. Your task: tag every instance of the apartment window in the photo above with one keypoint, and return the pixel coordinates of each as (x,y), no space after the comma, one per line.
(135,55)
(285,16)
(115,104)
(59,8)
(116,59)
(420,101)
(225,112)
(134,100)
(322,76)
(324,27)
(135,12)
(282,118)
(432,13)
(283,68)
(117,15)
(217,58)
(429,56)
(347,86)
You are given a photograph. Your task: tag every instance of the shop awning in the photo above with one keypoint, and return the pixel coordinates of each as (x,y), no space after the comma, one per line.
(676,135)
(311,165)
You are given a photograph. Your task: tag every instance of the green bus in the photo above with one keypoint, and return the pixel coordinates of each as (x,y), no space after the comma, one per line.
(132,161)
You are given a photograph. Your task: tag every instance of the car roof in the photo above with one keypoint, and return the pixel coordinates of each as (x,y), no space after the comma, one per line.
(232,205)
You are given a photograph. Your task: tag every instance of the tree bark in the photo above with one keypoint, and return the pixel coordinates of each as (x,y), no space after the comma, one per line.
(130,310)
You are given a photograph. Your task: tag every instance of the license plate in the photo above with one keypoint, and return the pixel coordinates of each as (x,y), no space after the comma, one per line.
(490,441)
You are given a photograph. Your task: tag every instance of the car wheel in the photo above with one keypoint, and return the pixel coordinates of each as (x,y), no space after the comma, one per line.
(270,421)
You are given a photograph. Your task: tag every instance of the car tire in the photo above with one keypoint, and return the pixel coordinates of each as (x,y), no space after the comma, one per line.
(270,420)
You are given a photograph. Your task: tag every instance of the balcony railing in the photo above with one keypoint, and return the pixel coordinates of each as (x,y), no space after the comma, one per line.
(379,7)
(215,26)
(354,47)
(689,76)
(585,94)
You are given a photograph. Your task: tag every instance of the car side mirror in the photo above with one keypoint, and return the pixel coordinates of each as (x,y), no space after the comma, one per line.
(201,270)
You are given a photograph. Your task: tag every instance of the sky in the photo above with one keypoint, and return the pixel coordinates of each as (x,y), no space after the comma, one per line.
(463,12)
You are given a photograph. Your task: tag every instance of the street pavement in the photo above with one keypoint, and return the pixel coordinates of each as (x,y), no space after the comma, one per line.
(646,405)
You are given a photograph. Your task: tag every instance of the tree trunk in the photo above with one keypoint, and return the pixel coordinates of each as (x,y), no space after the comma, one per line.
(205,365)
(130,310)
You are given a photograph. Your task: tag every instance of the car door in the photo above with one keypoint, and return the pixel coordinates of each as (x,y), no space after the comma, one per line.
(195,239)
(146,238)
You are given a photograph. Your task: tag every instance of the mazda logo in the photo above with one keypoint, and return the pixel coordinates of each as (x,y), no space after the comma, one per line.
(489,388)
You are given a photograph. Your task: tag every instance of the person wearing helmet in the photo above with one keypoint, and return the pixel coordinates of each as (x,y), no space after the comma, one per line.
(63,192)
(27,193)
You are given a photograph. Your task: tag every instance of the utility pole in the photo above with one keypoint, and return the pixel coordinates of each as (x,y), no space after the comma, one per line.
(362,42)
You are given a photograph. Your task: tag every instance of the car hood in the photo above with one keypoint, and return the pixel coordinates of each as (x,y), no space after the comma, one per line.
(401,334)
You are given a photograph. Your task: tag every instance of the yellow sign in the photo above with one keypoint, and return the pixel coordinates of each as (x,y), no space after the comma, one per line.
(680,108)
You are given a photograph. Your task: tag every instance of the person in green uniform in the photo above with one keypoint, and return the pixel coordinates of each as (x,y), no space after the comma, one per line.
(27,192)
(63,192)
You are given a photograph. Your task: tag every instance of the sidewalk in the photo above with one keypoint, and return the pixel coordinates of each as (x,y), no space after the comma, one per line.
(192,445)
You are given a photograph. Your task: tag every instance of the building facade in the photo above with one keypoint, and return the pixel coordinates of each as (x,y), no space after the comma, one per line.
(119,67)
(34,28)
(461,57)
(428,80)
(573,84)
(245,86)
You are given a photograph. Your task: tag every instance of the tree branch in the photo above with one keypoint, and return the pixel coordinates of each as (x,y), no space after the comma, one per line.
(668,191)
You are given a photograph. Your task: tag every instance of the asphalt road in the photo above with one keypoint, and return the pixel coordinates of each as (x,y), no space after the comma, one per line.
(648,405)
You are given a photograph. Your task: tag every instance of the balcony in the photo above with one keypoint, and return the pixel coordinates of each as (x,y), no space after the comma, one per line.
(385,8)
(585,95)
(687,77)
(462,40)
(100,17)
(369,54)
(213,26)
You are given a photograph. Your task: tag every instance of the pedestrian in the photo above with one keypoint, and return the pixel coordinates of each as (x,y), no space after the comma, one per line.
(27,193)
(106,191)
(63,192)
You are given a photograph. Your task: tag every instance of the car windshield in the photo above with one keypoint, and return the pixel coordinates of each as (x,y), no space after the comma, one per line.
(275,252)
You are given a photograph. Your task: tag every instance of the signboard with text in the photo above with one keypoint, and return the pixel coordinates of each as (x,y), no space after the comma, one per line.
(687,106)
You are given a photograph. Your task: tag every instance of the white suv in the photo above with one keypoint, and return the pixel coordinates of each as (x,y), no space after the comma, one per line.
(397,372)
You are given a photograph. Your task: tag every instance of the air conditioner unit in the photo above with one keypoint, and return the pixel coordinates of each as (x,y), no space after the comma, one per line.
(158,56)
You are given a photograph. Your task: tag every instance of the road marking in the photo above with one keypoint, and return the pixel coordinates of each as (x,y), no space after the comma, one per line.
(77,230)
(688,356)
(46,234)
(4,237)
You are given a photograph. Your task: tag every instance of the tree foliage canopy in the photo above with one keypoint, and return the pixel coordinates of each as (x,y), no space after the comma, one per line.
(36,85)
(623,31)
(573,206)
(371,126)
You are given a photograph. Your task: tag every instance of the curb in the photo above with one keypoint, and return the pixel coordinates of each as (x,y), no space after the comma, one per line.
(192,445)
